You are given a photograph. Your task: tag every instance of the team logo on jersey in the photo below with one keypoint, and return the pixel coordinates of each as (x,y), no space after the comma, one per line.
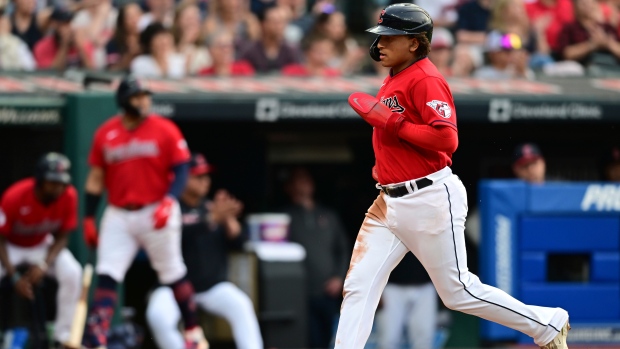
(441,108)
(393,104)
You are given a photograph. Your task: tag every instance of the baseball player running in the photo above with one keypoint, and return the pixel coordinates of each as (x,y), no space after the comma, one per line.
(210,230)
(36,216)
(142,161)
(422,206)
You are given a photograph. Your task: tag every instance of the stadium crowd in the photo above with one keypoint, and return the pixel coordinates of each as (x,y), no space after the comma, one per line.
(177,38)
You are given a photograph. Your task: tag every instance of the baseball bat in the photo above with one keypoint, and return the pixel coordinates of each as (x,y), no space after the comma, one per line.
(81,310)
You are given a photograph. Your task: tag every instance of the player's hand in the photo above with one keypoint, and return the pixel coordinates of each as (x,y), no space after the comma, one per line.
(333,287)
(370,109)
(24,288)
(89,230)
(35,274)
(162,212)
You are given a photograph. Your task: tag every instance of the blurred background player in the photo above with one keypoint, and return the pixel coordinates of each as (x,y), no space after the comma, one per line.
(134,156)
(319,230)
(36,216)
(529,164)
(409,306)
(210,230)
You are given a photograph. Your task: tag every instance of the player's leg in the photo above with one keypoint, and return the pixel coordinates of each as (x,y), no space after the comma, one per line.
(116,251)
(393,317)
(228,301)
(163,316)
(377,251)
(431,223)
(422,319)
(68,273)
(163,247)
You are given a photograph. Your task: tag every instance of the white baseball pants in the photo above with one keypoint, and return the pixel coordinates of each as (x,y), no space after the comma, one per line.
(68,273)
(410,306)
(430,223)
(123,232)
(224,300)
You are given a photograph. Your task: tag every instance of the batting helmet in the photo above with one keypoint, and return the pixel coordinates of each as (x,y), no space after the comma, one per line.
(401,19)
(53,167)
(130,86)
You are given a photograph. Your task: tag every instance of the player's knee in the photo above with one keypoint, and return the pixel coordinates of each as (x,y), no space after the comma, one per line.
(70,274)
(451,303)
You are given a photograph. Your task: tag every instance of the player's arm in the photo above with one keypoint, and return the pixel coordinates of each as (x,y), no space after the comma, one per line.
(4,257)
(36,272)
(439,136)
(94,190)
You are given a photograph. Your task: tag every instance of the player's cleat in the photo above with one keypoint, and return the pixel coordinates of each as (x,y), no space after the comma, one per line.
(559,342)
(195,339)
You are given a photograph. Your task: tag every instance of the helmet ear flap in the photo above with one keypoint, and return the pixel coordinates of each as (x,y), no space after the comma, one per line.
(374,50)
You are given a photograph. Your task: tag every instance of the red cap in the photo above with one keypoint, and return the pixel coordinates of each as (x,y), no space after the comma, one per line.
(198,165)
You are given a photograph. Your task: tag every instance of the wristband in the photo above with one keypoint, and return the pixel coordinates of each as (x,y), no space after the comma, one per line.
(16,276)
(92,202)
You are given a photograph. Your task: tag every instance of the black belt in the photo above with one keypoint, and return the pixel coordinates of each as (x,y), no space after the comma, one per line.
(396,191)
(132,207)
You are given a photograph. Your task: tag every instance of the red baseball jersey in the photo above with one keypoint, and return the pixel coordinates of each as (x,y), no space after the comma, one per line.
(26,222)
(138,163)
(422,95)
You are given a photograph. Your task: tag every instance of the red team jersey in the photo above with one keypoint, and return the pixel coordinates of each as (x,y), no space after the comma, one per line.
(138,163)
(422,95)
(26,222)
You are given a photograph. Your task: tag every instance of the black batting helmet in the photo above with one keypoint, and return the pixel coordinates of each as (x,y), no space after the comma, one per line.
(401,19)
(53,167)
(130,86)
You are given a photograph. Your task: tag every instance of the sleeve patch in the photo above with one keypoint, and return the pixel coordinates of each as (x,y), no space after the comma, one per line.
(441,108)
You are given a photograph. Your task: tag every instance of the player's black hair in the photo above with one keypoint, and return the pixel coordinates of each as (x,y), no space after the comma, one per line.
(424,46)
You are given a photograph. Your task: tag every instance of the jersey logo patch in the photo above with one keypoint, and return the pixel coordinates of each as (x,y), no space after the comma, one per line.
(393,104)
(441,108)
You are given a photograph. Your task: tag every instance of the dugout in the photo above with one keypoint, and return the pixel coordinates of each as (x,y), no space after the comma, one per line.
(254,130)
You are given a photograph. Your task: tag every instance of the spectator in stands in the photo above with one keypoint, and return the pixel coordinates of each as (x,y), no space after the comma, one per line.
(581,39)
(319,230)
(442,47)
(318,51)
(14,53)
(271,53)
(188,38)
(471,28)
(348,55)
(63,47)
(97,23)
(611,165)
(443,12)
(510,16)
(125,45)
(504,58)
(159,11)
(549,16)
(529,164)
(234,16)
(159,58)
(222,49)
(301,20)
(27,23)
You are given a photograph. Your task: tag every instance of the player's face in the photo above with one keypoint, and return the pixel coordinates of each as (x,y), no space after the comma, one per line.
(533,172)
(397,51)
(198,185)
(142,102)
(51,191)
